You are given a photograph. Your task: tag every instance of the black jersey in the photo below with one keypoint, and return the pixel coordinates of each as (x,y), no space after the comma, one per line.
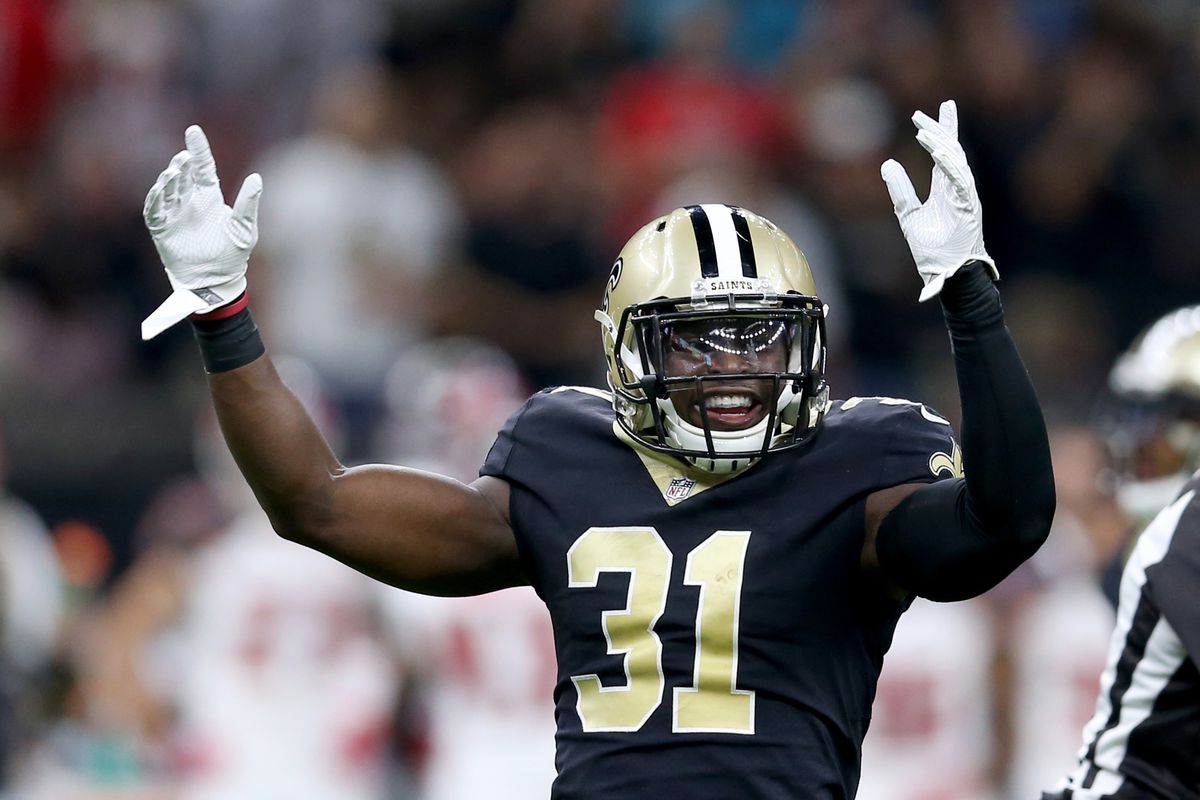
(715,635)
(1143,740)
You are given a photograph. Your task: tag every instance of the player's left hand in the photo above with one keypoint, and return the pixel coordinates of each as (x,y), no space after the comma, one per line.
(946,231)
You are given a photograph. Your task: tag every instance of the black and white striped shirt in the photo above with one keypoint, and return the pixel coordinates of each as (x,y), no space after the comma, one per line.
(1143,742)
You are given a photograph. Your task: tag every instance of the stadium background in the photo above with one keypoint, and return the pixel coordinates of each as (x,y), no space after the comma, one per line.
(469,168)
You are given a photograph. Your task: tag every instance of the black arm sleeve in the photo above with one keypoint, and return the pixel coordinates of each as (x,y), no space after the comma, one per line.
(958,538)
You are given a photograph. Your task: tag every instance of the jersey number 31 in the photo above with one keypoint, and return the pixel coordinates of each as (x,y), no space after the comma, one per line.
(712,703)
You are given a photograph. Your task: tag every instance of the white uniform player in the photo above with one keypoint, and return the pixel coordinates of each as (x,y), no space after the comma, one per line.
(930,732)
(31,613)
(485,672)
(286,690)
(1059,631)
(271,657)
(31,606)
(1062,637)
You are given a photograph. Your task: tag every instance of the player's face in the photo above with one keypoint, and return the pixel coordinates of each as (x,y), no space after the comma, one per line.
(729,346)
(1168,448)
(1157,457)
(1155,441)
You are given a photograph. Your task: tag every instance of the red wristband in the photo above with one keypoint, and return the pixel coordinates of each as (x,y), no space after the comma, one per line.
(224,312)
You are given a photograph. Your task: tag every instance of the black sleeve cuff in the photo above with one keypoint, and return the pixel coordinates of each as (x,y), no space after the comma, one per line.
(228,343)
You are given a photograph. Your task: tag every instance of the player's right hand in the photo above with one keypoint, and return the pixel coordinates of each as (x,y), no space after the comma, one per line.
(203,243)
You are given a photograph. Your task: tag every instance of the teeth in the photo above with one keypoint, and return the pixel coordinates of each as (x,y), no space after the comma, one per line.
(728,401)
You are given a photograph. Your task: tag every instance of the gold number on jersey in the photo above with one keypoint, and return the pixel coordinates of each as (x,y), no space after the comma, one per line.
(642,553)
(712,703)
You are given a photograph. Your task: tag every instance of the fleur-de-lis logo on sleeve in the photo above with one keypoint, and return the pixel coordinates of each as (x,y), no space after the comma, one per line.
(947,465)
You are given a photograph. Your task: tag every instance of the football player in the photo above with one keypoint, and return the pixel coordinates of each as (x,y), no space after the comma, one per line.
(931,726)
(1140,743)
(723,551)
(262,660)
(32,621)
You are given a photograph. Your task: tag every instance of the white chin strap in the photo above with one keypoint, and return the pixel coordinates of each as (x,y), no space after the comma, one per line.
(686,436)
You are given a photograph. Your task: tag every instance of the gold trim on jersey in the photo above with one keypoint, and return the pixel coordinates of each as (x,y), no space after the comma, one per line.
(674,480)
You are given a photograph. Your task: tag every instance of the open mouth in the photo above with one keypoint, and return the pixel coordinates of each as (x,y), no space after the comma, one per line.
(728,410)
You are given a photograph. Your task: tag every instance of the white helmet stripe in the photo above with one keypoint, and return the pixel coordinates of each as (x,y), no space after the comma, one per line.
(725,240)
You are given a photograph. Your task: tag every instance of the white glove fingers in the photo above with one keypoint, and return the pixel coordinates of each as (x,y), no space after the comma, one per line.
(929,141)
(177,161)
(170,192)
(152,209)
(952,165)
(170,172)
(205,167)
(947,121)
(932,134)
(900,188)
(245,207)
(177,187)
(186,181)
(948,117)
(174,169)
(958,180)
(947,154)
(243,224)
(925,122)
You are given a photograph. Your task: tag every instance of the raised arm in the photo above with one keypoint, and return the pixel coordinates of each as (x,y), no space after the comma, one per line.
(409,528)
(957,538)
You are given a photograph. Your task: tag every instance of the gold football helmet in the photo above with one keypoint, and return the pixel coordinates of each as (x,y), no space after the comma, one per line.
(715,338)
(1152,428)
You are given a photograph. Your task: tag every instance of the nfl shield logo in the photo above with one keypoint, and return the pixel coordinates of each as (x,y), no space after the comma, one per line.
(679,488)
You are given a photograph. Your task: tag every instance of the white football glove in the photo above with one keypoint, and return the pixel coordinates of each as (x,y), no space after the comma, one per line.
(203,243)
(946,231)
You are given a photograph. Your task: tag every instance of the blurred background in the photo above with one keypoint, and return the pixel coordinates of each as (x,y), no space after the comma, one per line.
(446,184)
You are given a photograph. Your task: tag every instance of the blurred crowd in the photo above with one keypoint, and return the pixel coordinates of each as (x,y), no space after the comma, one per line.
(446,184)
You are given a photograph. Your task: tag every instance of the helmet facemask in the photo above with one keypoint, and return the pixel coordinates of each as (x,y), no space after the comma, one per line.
(1153,446)
(720,382)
